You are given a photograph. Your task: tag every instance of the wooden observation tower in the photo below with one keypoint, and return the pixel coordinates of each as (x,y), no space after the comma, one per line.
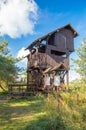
(48,61)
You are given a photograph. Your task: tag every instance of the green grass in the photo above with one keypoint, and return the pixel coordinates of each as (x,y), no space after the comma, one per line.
(61,111)
(14,114)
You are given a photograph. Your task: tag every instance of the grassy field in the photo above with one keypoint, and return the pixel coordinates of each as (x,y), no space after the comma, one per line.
(15,114)
(61,111)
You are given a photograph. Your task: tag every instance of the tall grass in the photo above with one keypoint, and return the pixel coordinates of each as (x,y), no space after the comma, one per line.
(59,111)
(63,111)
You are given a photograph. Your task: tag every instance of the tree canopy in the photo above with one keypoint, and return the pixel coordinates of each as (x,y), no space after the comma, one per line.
(81,61)
(8,69)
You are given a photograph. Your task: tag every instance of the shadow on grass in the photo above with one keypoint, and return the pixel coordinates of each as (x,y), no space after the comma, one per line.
(14,114)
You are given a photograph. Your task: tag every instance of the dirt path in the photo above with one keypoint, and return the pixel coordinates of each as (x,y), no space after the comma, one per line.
(3,101)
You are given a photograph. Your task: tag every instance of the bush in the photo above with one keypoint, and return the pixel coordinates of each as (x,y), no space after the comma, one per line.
(64,111)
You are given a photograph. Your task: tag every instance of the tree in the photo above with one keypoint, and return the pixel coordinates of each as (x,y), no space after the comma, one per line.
(8,69)
(81,61)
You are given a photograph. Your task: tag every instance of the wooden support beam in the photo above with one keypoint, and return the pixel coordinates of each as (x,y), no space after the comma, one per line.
(67,78)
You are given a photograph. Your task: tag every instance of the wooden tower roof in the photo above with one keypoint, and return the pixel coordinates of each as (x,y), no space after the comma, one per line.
(68,26)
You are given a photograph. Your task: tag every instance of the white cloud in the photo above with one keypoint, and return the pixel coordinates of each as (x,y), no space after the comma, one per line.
(17,17)
(23,53)
(73,76)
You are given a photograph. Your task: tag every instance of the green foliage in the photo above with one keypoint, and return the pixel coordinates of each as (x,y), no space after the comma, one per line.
(3,47)
(8,69)
(64,111)
(81,62)
(59,111)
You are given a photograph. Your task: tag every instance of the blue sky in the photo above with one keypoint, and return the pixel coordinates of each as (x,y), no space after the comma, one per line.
(29,19)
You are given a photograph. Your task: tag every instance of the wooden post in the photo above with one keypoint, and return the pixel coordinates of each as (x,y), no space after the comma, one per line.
(27,80)
(67,78)
(67,74)
(27,73)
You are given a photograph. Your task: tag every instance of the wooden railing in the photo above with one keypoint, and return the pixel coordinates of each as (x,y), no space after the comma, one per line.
(17,89)
(44,60)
